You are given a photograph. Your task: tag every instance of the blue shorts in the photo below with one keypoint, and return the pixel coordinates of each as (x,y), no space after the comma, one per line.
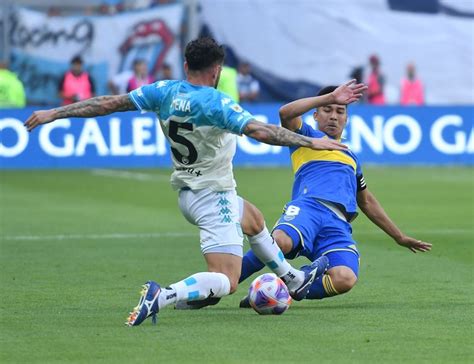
(315,231)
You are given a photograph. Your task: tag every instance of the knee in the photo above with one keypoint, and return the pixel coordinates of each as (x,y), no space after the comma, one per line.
(252,220)
(343,279)
(283,240)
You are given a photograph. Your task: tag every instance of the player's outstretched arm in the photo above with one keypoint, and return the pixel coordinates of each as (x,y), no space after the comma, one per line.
(274,135)
(375,212)
(290,114)
(96,106)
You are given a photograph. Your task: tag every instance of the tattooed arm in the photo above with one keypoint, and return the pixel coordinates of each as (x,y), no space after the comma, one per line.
(96,106)
(274,135)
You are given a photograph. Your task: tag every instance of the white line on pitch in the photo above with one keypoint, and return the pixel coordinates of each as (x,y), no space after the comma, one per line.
(99,236)
(137,176)
(184,234)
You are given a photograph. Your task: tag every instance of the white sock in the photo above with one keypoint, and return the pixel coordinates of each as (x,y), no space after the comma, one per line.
(196,287)
(269,253)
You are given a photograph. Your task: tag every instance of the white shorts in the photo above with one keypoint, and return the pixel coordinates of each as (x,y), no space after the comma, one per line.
(217,214)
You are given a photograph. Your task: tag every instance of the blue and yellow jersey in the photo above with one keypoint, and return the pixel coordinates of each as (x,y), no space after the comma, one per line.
(333,176)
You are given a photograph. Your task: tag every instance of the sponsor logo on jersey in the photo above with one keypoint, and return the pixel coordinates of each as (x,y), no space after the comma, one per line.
(236,108)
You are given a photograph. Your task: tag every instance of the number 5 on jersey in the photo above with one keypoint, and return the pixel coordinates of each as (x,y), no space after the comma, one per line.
(174,128)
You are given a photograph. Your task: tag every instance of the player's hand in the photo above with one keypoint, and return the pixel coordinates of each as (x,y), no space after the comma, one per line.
(39,117)
(349,92)
(413,244)
(327,144)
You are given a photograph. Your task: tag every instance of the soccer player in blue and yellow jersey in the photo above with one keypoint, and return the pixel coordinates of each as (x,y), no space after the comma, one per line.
(328,187)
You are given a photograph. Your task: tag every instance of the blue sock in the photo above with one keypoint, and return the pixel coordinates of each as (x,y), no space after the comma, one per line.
(250,265)
(322,287)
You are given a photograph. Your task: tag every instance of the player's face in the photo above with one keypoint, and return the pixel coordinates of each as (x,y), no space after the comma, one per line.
(331,119)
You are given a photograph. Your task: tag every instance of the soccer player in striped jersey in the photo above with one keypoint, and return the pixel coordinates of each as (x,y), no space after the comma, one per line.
(328,187)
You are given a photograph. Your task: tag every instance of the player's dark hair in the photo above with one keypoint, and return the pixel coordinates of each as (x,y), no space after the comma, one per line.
(202,53)
(326,90)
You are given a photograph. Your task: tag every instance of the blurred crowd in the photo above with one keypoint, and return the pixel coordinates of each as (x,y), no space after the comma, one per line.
(411,91)
(77,84)
(240,84)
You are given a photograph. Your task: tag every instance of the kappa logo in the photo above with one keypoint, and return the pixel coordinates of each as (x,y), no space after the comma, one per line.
(226,219)
(223,202)
(225,211)
(149,40)
(225,101)
(161,83)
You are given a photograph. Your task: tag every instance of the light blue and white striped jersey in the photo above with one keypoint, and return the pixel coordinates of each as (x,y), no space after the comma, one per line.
(201,124)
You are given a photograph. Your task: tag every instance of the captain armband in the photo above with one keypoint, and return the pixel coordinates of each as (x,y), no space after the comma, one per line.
(361,185)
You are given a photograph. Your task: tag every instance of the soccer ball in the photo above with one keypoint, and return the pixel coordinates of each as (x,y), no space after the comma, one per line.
(268,295)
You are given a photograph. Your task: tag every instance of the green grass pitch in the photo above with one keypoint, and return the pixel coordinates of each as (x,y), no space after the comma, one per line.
(77,245)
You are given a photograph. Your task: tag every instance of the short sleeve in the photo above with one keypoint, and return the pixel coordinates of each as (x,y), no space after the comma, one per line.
(227,114)
(148,97)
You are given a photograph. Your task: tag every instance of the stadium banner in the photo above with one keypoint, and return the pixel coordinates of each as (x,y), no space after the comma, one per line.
(304,43)
(43,46)
(380,135)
